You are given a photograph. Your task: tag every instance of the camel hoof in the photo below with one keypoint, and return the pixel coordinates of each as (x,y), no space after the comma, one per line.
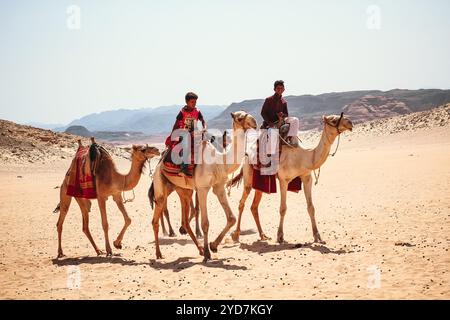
(109,254)
(99,252)
(206,257)
(280,239)
(182,230)
(201,251)
(235,236)
(159,256)
(320,241)
(172,235)
(265,238)
(213,247)
(60,255)
(117,245)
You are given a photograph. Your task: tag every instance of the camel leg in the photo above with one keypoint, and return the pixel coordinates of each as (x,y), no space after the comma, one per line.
(64,204)
(163,226)
(283,208)
(307,183)
(85,207)
(186,198)
(161,203)
(102,206)
(166,215)
(202,197)
(255,213)
(127,220)
(219,191)
(245,193)
(195,212)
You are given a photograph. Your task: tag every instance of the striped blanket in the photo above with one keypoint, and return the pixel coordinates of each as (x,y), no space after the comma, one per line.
(81,180)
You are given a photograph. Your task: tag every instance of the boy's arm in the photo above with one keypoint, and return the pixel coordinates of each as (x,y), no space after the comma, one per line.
(265,113)
(202,120)
(179,118)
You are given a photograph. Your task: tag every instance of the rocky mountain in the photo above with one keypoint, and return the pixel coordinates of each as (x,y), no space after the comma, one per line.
(147,121)
(359,105)
(25,144)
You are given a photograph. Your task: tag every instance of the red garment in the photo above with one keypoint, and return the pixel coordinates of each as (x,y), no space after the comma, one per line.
(267,184)
(272,106)
(186,119)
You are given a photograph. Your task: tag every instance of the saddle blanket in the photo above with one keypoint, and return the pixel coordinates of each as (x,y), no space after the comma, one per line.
(81,180)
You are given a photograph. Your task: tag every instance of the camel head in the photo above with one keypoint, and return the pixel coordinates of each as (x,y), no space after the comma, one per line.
(243,120)
(142,153)
(332,121)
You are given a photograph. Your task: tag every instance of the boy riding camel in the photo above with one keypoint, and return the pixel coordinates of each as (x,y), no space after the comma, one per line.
(275,113)
(187,119)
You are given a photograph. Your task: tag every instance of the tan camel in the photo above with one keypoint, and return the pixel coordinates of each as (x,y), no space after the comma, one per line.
(294,162)
(109,182)
(207,176)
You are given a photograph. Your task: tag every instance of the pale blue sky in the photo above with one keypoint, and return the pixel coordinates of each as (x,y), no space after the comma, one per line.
(135,54)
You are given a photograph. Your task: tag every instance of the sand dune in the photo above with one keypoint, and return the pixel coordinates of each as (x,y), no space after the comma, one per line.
(382,206)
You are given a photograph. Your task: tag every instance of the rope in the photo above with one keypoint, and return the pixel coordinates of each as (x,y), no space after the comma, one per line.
(229,187)
(316,177)
(337,146)
(123,192)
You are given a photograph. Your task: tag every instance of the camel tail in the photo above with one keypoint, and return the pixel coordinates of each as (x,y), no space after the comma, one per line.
(236,180)
(58,207)
(151,195)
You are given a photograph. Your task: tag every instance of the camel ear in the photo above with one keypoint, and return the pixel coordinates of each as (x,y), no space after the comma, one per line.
(233,115)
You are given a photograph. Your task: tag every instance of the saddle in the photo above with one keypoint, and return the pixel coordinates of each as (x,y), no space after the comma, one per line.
(83,170)
(267,182)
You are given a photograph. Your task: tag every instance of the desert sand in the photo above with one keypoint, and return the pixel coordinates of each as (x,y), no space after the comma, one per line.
(382,206)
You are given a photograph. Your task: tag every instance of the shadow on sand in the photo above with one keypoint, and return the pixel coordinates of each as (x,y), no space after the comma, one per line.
(264,247)
(176,266)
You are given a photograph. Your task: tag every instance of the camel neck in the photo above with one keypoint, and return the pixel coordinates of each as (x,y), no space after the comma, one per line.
(237,145)
(131,179)
(322,150)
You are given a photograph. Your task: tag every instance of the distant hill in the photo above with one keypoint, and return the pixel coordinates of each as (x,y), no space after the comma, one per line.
(79,131)
(147,120)
(359,105)
(27,144)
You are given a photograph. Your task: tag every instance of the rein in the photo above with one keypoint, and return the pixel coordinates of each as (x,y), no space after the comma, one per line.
(123,192)
(316,176)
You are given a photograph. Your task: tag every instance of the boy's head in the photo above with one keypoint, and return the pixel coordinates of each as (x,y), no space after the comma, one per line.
(191,99)
(278,87)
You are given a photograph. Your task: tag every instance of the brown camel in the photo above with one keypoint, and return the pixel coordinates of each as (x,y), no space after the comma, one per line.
(207,176)
(109,182)
(294,162)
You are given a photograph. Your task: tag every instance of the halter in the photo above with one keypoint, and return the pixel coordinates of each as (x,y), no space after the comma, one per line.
(316,176)
(338,131)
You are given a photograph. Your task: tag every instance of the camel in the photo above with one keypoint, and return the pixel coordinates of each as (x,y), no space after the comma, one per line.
(109,182)
(294,162)
(207,176)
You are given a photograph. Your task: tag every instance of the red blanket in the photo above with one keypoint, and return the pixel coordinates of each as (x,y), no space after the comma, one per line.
(268,184)
(81,181)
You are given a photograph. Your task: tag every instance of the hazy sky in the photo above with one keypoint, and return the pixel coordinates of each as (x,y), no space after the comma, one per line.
(135,54)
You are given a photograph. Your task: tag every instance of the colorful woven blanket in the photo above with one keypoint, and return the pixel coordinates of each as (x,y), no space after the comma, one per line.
(81,180)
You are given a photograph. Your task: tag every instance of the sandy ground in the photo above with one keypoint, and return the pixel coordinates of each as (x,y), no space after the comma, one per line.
(382,205)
